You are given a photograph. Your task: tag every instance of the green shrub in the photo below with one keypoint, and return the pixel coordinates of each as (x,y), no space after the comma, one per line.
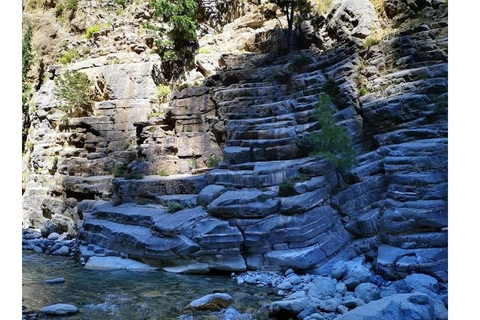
(71,4)
(213,162)
(330,87)
(162,92)
(27,63)
(68,56)
(119,170)
(263,197)
(174,207)
(133,176)
(163,173)
(371,41)
(300,62)
(154,115)
(286,189)
(29,145)
(91,30)
(204,50)
(74,91)
(121,3)
(363,91)
(59,8)
(323,6)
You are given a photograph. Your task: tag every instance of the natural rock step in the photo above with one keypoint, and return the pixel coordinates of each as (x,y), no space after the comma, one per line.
(258,109)
(136,241)
(396,262)
(128,213)
(269,151)
(152,186)
(427,131)
(264,143)
(245,203)
(236,127)
(281,130)
(260,174)
(90,187)
(115,236)
(187,200)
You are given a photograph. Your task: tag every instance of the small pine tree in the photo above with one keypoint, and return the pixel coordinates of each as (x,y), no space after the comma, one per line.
(332,141)
(74,90)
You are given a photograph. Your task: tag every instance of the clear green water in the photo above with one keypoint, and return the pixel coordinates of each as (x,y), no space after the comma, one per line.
(126,295)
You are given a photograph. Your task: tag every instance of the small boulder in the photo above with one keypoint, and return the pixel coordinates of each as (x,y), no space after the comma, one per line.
(212,302)
(53,236)
(59,309)
(56,280)
(322,288)
(287,308)
(367,292)
(420,280)
(328,305)
(63,251)
(47,228)
(285,285)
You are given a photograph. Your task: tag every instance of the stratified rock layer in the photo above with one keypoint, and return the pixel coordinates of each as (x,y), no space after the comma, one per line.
(252,110)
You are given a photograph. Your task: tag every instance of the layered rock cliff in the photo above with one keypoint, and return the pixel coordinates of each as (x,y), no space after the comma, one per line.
(245,107)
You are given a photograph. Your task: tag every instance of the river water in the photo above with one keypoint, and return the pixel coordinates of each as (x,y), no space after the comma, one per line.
(128,295)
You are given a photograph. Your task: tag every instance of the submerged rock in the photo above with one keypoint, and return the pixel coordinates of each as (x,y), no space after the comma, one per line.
(59,309)
(113,263)
(213,302)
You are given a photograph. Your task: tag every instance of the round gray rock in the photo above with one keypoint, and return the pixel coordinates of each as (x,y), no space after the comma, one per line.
(63,251)
(213,302)
(53,236)
(59,309)
(367,292)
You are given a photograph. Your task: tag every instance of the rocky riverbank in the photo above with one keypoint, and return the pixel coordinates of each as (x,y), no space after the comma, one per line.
(352,291)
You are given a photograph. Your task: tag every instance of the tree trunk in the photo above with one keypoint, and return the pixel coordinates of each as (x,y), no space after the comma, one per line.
(290,28)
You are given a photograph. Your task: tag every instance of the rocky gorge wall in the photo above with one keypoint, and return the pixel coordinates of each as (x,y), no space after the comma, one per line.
(250,113)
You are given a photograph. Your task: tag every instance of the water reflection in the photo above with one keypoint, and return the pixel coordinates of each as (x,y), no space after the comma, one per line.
(123,294)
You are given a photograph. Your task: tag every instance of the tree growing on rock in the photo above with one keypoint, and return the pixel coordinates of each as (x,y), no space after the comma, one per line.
(75,93)
(27,63)
(332,142)
(289,7)
(180,16)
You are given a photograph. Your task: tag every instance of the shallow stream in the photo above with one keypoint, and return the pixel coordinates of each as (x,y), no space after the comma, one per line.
(128,295)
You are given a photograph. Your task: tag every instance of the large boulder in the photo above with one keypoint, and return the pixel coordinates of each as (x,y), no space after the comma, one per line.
(352,273)
(352,18)
(394,307)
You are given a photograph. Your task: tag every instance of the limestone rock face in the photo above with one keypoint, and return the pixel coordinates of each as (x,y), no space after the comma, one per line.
(218,152)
